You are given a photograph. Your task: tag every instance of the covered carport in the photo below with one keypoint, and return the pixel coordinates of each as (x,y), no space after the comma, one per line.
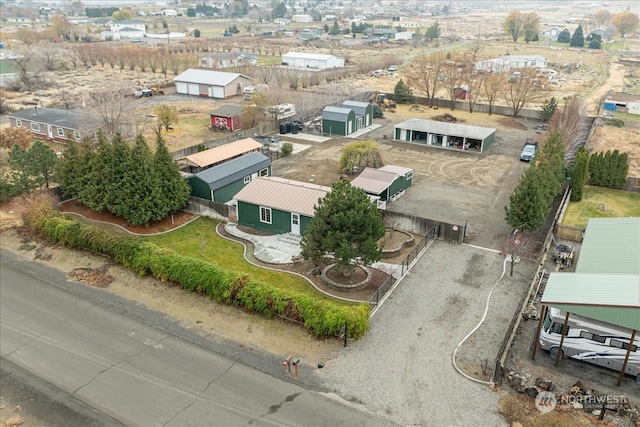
(445,135)
(606,284)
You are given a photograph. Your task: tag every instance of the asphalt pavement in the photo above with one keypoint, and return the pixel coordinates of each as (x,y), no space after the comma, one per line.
(136,367)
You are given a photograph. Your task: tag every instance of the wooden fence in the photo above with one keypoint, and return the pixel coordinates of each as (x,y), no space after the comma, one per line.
(208,208)
(414,224)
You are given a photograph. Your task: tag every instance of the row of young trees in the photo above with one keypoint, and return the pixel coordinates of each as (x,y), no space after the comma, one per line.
(128,181)
(531,201)
(431,73)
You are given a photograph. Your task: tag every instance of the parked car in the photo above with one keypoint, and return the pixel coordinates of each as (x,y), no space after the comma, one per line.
(528,151)
(392,68)
(136,40)
(143,91)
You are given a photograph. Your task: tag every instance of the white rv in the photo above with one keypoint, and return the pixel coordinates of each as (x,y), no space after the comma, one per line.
(280,112)
(590,340)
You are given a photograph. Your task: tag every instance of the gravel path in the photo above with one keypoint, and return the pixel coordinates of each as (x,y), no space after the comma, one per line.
(402,368)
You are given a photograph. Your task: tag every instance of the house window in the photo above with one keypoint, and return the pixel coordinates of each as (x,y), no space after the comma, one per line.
(76,135)
(60,132)
(264,172)
(35,127)
(265,215)
(409,175)
(18,122)
(247,179)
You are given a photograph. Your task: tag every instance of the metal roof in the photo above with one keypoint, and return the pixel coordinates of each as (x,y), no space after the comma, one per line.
(221,153)
(228,111)
(610,298)
(225,173)
(610,245)
(360,108)
(302,55)
(336,114)
(283,194)
(208,77)
(70,119)
(445,128)
(374,180)
(398,170)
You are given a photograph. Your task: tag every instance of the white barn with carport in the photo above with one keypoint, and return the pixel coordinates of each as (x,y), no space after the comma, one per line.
(445,135)
(213,84)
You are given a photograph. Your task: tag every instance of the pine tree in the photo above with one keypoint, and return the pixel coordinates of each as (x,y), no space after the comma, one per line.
(140,186)
(173,189)
(564,36)
(549,107)
(577,39)
(622,169)
(579,174)
(43,163)
(347,225)
(528,208)
(402,93)
(21,175)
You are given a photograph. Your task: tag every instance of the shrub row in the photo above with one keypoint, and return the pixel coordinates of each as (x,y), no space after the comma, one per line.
(322,318)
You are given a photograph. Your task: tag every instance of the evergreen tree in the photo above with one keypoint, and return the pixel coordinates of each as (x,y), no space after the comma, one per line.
(140,186)
(117,161)
(21,170)
(549,107)
(577,39)
(564,36)
(173,189)
(528,208)
(335,29)
(622,169)
(595,169)
(579,174)
(347,225)
(550,161)
(68,171)
(43,163)
(403,93)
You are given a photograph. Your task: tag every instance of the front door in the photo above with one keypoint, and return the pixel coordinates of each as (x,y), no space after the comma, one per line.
(295,223)
(50,132)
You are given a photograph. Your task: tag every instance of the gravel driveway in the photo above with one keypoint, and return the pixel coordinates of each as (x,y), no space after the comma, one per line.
(402,368)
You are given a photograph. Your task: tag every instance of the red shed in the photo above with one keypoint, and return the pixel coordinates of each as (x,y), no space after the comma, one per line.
(227,115)
(462,92)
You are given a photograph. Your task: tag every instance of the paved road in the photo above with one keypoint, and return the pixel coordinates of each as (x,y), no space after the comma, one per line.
(135,373)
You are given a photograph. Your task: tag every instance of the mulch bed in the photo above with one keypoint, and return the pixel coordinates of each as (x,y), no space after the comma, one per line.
(177,219)
(169,223)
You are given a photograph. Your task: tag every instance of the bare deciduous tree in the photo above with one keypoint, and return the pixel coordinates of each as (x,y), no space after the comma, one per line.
(567,121)
(493,84)
(426,74)
(111,107)
(27,36)
(521,89)
(519,246)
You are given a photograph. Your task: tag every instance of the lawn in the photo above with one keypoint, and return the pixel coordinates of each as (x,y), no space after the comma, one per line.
(616,204)
(200,235)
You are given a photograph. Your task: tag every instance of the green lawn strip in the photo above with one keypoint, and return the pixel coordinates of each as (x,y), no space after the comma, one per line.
(617,203)
(227,254)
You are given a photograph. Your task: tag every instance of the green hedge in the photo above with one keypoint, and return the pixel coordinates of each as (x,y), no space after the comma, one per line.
(195,275)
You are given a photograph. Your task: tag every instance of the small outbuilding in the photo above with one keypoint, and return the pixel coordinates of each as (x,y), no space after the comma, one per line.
(363,112)
(312,61)
(227,116)
(338,121)
(222,182)
(198,162)
(278,205)
(445,135)
(214,84)
(387,183)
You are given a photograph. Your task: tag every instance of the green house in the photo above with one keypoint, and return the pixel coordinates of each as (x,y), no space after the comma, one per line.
(222,182)
(338,121)
(363,111)
(386,183)
(278,205)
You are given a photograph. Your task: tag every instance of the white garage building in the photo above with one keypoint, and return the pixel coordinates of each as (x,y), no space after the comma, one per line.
(312,61)
(214,84)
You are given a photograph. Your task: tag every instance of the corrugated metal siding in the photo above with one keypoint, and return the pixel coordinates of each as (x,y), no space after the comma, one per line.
(610,245)
(625,317)
(334,127)
(224,152)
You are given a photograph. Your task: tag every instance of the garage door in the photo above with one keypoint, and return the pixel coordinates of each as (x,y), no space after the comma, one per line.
(181,87)
(194,89)
(217,92)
